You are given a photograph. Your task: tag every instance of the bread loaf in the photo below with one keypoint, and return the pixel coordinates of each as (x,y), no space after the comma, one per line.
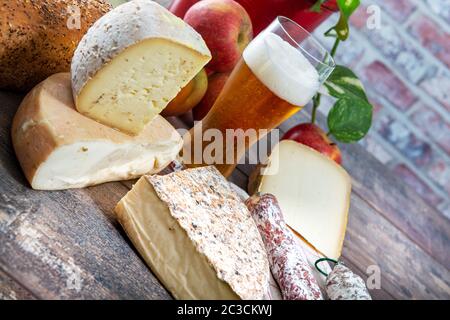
(38,38)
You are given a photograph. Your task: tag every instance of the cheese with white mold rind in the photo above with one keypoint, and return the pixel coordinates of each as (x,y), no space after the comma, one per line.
(59,148)
(196,235)
(313,192)
(132,62)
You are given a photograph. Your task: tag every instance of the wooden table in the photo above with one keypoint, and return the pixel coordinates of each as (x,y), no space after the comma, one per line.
(68,244)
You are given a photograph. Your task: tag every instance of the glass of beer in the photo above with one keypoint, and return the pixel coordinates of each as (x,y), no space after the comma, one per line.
(280,71)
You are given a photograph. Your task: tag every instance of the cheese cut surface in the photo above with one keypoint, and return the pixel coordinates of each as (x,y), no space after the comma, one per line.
(59,148)
(196,235)
(313,193)
(132,62)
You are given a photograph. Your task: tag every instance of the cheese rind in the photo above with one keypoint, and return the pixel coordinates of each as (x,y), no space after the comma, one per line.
(59,148)
(196,235)
(313,193)
(132,62)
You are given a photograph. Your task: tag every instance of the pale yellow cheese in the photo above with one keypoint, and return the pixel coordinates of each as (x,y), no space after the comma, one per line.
(132,62)
(313,192)
(59,148)
(196,235)
(166,247)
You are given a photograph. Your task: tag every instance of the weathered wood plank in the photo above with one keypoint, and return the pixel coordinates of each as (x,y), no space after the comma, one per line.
(407,272)
(70,248)
(398,203)
(57,218)
(11,290)
(66,244)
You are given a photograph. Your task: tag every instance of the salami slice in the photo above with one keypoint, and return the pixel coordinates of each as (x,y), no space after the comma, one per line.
(287,261)
(343,284)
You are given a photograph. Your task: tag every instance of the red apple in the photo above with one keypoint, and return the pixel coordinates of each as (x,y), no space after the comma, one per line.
(226,28)
(180,7)
(216,82)
(311,135)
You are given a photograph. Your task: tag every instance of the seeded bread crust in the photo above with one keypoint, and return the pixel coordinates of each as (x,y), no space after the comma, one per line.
(35,40)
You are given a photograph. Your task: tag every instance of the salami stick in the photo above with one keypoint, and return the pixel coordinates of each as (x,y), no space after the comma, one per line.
(343,284)
(289,268)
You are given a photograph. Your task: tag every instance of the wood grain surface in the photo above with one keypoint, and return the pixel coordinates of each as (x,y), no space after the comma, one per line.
(64,244)
(68,244)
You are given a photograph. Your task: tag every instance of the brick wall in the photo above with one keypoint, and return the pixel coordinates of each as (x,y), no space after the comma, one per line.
(404,66)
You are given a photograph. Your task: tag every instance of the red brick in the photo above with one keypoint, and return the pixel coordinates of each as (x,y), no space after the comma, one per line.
(415,182)
(432,36)
(439,88)
(378,77)
(359,17)
(434,125)
(405,141)
(400,10)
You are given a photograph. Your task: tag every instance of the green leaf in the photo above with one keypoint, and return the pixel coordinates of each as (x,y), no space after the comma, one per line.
(347,7)
(349,119)
(316,6)
(343,83)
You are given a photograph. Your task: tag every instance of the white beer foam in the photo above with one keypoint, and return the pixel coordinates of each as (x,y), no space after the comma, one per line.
(282,68)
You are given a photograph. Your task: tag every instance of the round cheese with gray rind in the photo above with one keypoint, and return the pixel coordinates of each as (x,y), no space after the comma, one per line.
(59,148)
(132,62)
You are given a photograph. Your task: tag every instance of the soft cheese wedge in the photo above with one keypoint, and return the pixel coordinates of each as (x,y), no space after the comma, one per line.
(196,235)
(132,62)
(59,148)
(313,193)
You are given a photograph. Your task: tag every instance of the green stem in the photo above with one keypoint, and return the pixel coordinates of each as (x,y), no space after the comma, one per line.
(316,99)
(335,46)
(316,103)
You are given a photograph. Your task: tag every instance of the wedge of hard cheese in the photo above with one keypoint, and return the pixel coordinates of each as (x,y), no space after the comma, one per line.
(313,193)
(132,62)
(59,148)
(196,235)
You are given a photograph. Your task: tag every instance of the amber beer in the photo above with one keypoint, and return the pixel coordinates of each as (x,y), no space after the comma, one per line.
(248,104)
(272,81)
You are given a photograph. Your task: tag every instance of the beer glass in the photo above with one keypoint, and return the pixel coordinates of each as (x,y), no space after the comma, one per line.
(279,72)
